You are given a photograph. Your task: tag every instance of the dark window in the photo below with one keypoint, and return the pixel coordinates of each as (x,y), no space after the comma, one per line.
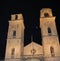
(46,14)
(12,53)
(52,51)
(14,33)
(16,17)
(49,31)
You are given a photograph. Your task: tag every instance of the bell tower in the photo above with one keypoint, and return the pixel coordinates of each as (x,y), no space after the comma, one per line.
(49,35)
(15,38)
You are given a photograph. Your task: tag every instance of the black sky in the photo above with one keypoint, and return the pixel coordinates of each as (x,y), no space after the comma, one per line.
(31,13)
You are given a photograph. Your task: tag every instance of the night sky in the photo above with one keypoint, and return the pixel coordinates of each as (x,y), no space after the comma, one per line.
(31,13)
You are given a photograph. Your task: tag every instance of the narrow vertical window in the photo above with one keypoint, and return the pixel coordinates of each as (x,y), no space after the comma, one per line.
(52,51)
(12,53)
(14,33)
(16,17)
(49,31)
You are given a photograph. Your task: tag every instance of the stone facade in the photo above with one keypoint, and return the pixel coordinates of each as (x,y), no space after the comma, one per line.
(49,51)
(15,40)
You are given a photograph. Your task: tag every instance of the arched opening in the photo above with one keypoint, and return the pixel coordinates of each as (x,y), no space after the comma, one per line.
(49,30)
(46,14)
(52,51)
(14,33)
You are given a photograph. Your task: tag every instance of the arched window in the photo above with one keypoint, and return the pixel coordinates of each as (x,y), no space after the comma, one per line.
(49,30)
(52,51)
(12,52)
(46,14)
(14,33)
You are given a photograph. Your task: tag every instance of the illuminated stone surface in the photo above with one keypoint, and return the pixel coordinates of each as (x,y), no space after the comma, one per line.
(15,50)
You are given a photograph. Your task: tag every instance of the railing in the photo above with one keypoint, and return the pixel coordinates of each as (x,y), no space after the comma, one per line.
(33,59)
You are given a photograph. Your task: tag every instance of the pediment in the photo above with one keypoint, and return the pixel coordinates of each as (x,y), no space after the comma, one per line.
(33,48)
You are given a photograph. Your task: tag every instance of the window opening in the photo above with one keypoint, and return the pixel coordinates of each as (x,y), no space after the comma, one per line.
(46,14)
(49,31)
(12,53)
(52,51)
(14,33)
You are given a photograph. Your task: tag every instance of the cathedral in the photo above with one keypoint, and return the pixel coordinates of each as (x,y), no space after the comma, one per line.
(48,51)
